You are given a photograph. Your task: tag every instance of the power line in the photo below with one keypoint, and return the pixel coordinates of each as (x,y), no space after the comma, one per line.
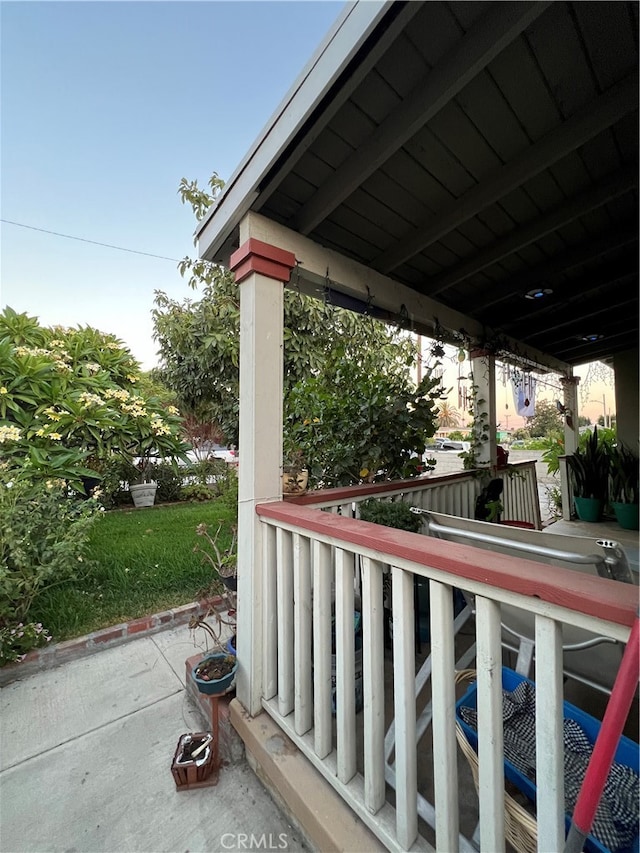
(93,242)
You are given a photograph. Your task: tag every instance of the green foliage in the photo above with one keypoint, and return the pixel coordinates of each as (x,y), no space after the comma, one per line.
(196,492)
(392,514)
(479,431)
(144,563)
(546,421)
(624,474)
(351,409)
(553,448)
(43,543)
(354,424)
(68,399)
(17,641)
(169,480)
(589,467)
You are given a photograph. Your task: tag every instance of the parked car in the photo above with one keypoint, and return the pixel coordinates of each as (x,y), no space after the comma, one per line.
(457,446)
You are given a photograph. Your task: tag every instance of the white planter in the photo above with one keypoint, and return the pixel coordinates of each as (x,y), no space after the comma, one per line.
(143,494)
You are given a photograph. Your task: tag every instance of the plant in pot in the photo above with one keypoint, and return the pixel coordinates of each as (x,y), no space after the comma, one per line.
(295,475)
(215,672)
(624,487)
(224,561)
(398,515)
(589,467)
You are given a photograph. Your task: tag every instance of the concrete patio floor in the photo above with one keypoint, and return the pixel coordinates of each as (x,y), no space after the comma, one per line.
(85,762)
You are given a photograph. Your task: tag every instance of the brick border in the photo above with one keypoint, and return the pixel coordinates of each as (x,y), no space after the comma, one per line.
(55,654)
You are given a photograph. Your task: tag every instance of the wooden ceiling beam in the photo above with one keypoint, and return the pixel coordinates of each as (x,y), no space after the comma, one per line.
(585,124)
(614,186)
(574,257)
(495,30)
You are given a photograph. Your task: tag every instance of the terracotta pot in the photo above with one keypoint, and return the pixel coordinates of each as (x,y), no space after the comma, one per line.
(294,483)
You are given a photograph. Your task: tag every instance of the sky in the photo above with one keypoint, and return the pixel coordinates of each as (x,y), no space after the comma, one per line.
(105,107)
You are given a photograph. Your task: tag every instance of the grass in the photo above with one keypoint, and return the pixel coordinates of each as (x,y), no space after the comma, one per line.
(144,563)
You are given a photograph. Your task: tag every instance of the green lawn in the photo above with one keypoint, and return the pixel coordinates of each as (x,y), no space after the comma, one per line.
(145,563)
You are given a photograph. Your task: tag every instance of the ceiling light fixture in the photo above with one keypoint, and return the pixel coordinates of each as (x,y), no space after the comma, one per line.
(538,293)
(591,338)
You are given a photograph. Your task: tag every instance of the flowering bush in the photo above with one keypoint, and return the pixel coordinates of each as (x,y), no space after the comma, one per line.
(70,394)
(43,542)
(16,642)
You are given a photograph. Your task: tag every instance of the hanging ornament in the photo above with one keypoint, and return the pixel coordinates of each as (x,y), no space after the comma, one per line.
(461,355)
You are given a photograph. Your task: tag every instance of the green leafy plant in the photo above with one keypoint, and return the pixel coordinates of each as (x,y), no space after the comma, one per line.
(391,514)
(69,395)
(589,467)
(196,492)
(43,543)
(624,474)
(223,559)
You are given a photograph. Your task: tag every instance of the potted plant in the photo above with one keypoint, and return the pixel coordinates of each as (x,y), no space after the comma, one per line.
(215,672)
(223,560)
(624,486)
(295,475)
(589,467)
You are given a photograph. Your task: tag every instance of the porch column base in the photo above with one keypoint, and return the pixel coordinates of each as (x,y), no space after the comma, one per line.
(317,812)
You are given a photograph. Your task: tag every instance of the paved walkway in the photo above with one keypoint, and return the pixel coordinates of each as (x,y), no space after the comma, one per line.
(85,757)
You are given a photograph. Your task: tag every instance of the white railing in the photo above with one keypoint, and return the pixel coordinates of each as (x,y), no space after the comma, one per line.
(311,559)
(453,494)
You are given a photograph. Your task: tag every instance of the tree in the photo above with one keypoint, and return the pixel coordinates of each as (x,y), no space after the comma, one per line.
(199,340)
(448,416)
(546,421)
(68,399)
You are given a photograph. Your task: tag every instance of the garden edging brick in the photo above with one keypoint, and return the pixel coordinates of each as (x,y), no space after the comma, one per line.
(57,653)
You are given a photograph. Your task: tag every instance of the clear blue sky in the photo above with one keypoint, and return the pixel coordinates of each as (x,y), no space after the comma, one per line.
(105,107)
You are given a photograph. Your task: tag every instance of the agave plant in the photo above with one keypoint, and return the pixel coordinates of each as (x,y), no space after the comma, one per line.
(624,475)
(589,467)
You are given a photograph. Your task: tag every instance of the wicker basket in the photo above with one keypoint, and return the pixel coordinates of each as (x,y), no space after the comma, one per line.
(520,828)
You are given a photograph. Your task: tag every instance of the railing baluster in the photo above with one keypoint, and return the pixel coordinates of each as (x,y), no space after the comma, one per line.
(270,616)
(373,672)
(345,667)
(322,724)
(445,768)
(404,707)
(303,715)
(549,734)
(490,738)
(285,622)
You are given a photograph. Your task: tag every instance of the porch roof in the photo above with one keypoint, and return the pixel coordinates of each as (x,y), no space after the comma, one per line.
(472,152)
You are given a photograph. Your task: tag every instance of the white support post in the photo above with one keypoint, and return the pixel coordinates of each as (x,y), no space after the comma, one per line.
(261,270)
(571,438)
(483,367)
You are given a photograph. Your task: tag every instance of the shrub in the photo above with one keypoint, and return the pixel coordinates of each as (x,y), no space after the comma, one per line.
(196,492)
(395,514)
(43,543)
(169,482)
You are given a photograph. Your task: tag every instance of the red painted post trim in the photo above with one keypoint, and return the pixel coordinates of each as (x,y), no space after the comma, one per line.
(256,256)
(587,594)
